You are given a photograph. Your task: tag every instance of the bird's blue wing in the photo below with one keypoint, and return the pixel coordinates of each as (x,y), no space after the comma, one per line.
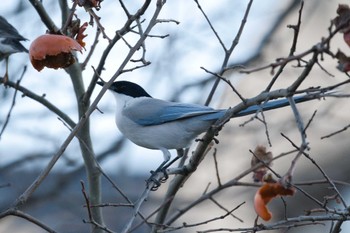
(180,111)
(156,112)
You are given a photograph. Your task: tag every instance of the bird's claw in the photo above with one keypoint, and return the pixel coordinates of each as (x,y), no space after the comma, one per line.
(157,177)
(155,183)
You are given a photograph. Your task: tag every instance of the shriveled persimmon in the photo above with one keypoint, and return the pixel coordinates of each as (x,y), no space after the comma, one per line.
(53,51)
(265,194)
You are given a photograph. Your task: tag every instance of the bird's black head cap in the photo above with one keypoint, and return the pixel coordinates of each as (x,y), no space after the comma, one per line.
(127,88)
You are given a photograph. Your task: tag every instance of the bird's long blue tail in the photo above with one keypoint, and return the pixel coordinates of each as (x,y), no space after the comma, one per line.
(273,104)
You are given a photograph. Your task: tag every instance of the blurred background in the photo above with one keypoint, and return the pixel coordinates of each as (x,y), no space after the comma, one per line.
(34,134)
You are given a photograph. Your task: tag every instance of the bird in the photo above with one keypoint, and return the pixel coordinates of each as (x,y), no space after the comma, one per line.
(163,125)
(10,42)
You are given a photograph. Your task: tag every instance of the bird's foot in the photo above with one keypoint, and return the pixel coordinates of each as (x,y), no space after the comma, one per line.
(157,177)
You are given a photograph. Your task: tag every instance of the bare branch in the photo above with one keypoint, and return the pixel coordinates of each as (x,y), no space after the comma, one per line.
(29,218)
(13,101)
(41,99)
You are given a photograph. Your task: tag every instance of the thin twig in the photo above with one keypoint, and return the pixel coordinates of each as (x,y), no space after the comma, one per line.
(41,99)
(229,51)
(211,26)
(45,18)
(310,121)
(292,49)
(186,225)
(29,218)
(86,200)
(99,25)
(226,81)
(301,151)
(299,121)
(88,205)
(263,120)
(336,132)
(91,50)
(70,17)
(152,214)
(296,29)
(137,207)
(227,211)
(216,167)
(7,120)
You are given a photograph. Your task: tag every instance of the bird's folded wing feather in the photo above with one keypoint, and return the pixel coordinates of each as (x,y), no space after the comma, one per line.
(156,112)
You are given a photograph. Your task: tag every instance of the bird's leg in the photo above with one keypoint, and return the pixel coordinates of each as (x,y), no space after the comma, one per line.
(163,168)
(153,178)
(180,154)
(166,155)
(166,164)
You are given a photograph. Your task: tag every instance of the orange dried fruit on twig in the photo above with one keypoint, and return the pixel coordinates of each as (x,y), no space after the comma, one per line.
(265,194)
(80,36)
(88,4)
(346,37)
(342,21)
(261,155)
(53,51)
(343,61)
